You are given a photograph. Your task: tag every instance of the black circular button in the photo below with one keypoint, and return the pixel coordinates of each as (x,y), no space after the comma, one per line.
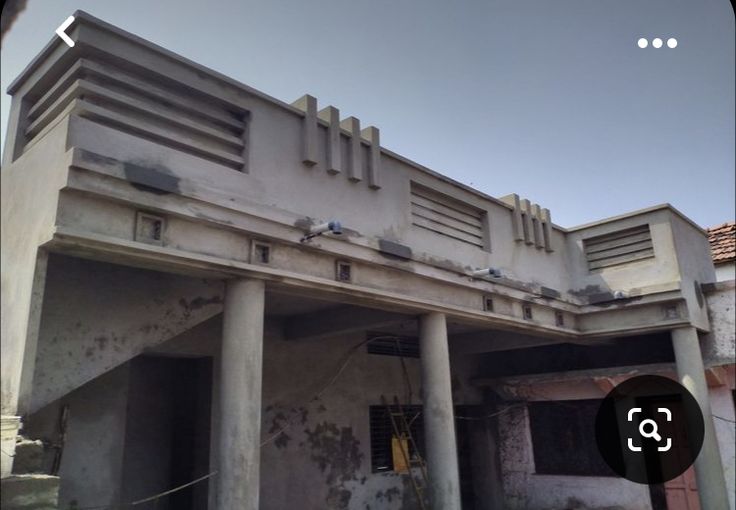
(649,429)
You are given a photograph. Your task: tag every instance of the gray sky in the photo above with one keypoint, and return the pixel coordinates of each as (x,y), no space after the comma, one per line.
(551,99)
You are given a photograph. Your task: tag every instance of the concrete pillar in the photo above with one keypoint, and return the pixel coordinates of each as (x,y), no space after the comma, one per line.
(691,374)
(439,421)
(240,395)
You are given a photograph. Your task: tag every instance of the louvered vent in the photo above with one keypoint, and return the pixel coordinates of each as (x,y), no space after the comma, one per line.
(447,216)
(142,104)
(619,247)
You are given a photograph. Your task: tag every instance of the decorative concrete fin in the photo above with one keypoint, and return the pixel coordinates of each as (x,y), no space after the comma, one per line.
(372,134)
(526,220)
(547,229)
(331,115)
(308,104)
(513,201)
(354,166)
(531,223)
(537,226)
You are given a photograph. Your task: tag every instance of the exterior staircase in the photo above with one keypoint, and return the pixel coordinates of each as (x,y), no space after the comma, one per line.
(28,487)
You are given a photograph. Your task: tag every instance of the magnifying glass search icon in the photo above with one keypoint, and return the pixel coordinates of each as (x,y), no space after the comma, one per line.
(654,434)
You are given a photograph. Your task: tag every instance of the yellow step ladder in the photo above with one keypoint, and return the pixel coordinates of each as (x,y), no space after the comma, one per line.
(403,437)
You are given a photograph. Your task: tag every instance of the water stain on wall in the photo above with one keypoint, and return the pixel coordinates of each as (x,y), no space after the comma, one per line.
(336,451)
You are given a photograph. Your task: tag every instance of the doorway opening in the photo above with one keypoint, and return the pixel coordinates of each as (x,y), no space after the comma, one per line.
(167,438)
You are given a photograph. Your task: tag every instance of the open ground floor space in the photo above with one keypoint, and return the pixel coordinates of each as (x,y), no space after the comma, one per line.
(274,398)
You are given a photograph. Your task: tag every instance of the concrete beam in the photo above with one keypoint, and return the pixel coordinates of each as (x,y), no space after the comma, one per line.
(338,321)
(478,342)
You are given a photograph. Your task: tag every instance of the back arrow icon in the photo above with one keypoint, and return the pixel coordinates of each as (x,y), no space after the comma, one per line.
(64,26)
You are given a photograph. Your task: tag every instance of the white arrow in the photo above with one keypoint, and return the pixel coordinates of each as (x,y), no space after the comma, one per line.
(64,26)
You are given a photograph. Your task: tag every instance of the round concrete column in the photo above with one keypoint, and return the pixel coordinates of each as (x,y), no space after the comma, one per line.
(708,466)
(240,395)
(439,421)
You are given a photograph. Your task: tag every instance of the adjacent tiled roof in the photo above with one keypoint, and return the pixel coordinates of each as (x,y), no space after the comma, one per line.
(723,242)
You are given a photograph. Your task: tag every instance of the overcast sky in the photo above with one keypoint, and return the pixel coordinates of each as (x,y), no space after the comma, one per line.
(551,99)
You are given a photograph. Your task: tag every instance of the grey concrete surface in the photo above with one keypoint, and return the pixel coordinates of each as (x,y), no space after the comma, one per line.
(439,423)
(708,465)
(240,395)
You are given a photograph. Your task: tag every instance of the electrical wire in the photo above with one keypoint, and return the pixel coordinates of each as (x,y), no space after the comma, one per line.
(348,356)
(155,497)
(722,418)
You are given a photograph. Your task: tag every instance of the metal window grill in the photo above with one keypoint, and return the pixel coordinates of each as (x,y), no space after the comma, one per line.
(381,433)
(388,345)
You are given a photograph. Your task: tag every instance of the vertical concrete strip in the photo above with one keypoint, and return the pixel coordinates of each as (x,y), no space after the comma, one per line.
(34,323)
(240,395)
(526,221)
(513,201)
(537,226)
(439,422)
(355,167)
(547,229)
(308,104)
(331,115)
(691,374)
(372,134)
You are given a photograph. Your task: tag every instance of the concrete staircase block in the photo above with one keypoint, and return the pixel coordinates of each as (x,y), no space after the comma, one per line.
(29,492)
(29,457)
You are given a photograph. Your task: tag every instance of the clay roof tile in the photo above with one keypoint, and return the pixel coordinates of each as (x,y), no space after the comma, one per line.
(723,242)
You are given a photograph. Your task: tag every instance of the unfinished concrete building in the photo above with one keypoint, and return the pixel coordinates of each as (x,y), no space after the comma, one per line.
(202,282)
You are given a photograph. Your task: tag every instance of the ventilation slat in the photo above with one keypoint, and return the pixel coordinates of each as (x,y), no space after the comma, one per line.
(603,246)
(108,75)
(447,231)
(158,134)
(621,250)
(140,103)
(621,259)
(619,247)
(439,207)
(617,235)
(447,216)
(440,218)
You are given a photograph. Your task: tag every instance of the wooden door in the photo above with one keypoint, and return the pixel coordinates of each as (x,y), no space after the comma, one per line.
(681,493)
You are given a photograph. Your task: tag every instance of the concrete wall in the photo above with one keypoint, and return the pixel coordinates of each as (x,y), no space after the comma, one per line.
(29,197)
(322,459)
(114,313)
(726,271)
(524,489)
(695,267)
(719,346)
(633,278)
(92,460)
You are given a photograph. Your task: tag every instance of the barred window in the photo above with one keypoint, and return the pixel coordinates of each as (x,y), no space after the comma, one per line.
(382,432)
